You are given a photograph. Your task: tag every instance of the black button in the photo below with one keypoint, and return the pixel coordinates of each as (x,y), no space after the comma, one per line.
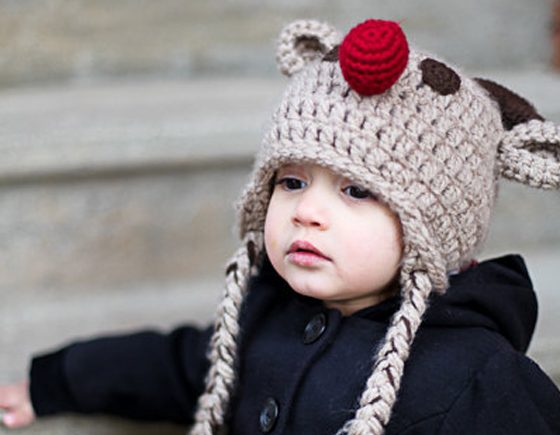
(315,328)
(269,415)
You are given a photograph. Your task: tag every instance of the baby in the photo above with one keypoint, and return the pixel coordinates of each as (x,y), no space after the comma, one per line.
(354,303)
(330,239)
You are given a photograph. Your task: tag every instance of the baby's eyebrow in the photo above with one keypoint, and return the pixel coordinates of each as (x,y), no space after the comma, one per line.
(347,180)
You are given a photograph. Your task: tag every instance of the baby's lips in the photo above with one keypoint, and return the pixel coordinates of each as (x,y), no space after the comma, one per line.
(302,245)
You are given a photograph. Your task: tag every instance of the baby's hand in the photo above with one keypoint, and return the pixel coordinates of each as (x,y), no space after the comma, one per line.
(15,405)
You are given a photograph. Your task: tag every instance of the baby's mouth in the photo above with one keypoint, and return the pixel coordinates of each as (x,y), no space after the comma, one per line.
(303,248)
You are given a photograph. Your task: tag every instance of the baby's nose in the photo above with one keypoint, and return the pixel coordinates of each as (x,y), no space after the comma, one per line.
(311,210)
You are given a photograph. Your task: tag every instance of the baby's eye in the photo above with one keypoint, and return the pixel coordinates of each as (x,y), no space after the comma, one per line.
(291,183)
(357,192)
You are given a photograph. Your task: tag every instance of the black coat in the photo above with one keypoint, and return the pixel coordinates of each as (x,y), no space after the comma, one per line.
(303,366)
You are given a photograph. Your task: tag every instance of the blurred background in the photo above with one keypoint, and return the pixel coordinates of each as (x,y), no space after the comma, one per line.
(128,128)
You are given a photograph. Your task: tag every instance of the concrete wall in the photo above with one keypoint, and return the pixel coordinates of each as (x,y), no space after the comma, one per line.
(77,40)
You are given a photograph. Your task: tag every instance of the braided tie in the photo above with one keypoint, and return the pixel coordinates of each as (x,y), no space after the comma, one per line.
(383,385)
(214,402)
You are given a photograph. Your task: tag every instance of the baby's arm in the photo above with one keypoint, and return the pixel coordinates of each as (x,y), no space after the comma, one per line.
(15,405)
(146,375)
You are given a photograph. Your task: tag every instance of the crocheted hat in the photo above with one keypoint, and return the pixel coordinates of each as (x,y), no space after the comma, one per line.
(423,137)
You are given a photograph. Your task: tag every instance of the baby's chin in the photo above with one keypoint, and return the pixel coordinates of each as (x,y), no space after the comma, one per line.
(316,288)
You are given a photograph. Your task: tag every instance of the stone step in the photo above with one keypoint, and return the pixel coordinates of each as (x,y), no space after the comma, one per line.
(118,183)
(80,41)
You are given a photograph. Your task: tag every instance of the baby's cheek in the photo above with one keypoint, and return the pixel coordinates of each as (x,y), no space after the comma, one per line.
(369,255)
(271,242)
(271,245)
(359,243)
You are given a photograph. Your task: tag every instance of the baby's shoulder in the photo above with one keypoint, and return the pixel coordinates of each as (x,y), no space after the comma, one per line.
(466,372)
(458,351)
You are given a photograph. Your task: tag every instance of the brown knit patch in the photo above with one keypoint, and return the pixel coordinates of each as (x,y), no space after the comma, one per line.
(309,44)
(439,77)
(332,55)
(514,108)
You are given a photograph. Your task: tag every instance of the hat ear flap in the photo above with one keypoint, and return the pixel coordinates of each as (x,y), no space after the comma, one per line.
(530,153)
(530,148)
(302,42)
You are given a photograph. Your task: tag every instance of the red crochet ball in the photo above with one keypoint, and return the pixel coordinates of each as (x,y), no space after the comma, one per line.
(373,56)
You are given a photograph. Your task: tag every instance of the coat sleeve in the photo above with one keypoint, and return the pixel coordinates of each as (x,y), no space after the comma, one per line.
(145,376)
(511,396)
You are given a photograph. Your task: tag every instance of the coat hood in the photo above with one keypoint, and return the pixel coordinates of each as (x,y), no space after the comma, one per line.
(495,294)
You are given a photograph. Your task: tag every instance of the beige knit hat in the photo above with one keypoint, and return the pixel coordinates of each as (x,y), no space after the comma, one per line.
(424,138)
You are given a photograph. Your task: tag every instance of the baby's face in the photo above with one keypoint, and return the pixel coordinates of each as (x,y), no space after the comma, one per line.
(330,239)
